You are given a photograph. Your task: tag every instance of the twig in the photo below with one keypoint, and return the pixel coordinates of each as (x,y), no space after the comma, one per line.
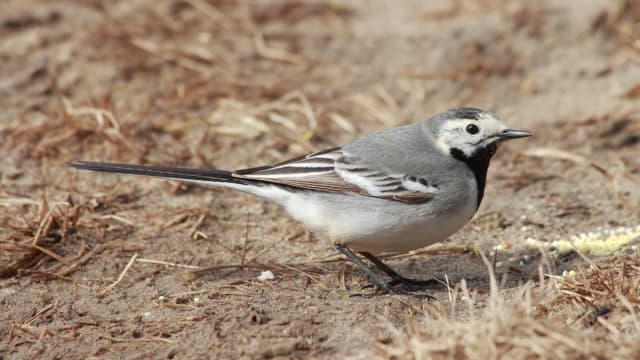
(224,246)
(236,266)
(217,288)
(116,218)
(182,216)
(38,315)
(50,254)
(153,339)
(437,251)
(21,328)
(170,264)
(70,260)
(263,251)
(300,272)
(65,225)
(44,223)
(93,252)
(251,262)
(45,274)
(124,271)
(196,225)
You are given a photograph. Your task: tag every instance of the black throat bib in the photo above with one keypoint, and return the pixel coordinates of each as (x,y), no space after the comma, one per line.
(478,162)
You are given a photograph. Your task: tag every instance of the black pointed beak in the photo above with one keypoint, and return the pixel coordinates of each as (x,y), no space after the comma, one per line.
(513,134)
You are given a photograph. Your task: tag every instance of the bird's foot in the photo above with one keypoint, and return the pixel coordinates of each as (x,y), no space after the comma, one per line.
(400,286)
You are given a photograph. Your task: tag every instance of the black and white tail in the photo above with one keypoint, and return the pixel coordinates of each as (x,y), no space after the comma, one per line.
(174,173)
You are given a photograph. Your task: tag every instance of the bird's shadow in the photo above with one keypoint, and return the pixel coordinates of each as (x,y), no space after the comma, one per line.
(510,269)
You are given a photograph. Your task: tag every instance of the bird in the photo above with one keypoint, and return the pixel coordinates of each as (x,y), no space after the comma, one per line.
(394,190)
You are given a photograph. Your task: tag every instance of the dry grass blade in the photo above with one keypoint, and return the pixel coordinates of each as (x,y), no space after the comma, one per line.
(38,314)
(104,291)
(83,260)
(275,54)
(169,264)
(19,201)
(194,228)
(429,251)
(98,114)
(146,340)
(304,273)
(19,256)
(117,218)
(257,266)
(113,131)
(281,118)
(533,328)
(50,254)
(371,106)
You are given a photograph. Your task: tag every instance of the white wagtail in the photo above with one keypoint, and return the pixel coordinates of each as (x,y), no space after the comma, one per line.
(392,191)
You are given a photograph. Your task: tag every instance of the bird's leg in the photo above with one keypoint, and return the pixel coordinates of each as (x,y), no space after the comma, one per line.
(395,277)
(374,276)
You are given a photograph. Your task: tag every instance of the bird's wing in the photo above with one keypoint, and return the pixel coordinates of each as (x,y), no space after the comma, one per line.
(336,171)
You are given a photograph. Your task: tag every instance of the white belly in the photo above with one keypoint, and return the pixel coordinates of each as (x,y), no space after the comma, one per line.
(377,225)
(407,236)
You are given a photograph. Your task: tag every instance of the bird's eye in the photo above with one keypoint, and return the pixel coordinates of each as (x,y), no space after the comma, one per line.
(472,129)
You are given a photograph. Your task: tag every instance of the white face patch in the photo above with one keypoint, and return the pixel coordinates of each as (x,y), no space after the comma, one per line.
(454,133)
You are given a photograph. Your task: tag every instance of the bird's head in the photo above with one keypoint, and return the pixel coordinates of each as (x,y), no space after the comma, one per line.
(468,132)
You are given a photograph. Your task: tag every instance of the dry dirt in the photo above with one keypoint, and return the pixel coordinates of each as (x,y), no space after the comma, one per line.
(85,258)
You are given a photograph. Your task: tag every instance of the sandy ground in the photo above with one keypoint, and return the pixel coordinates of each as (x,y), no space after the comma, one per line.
(120,267)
